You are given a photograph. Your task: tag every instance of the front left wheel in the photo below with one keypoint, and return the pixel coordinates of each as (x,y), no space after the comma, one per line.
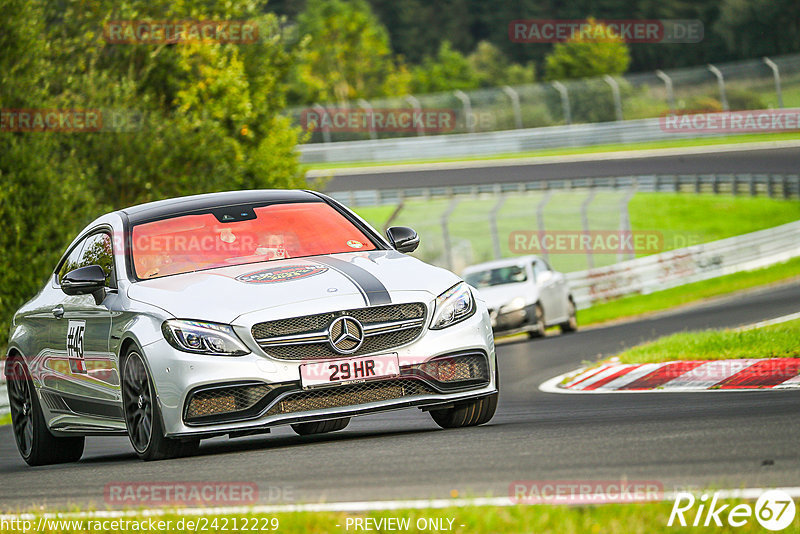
(143,417)
(35,443)
(470,413)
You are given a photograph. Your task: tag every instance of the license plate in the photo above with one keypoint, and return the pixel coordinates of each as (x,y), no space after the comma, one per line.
(349,370)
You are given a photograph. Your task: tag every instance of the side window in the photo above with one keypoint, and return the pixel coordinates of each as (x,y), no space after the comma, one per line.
(94,250)
(98,251)
(72,261)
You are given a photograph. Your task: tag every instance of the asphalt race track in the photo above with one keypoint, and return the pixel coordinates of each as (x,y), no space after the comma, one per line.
(726,440)
(778,160)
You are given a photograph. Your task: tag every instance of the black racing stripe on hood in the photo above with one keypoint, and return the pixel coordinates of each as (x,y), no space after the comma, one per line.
(373,290)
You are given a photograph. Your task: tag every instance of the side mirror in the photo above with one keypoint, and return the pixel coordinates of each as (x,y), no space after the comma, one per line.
(89,280)
(402,238)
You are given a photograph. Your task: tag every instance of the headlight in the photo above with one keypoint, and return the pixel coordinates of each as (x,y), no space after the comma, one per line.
(452,306)
(203,338)
(517,304)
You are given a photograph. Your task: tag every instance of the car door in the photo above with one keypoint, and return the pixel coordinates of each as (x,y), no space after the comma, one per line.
(549,288)
(80,336)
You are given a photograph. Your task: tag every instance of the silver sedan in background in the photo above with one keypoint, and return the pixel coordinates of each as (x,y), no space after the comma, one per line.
(524,294)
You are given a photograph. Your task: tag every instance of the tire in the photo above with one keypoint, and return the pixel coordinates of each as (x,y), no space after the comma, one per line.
(143,416)
(538,323)
(571,324)
(35,443)
(321,427)
(471,413)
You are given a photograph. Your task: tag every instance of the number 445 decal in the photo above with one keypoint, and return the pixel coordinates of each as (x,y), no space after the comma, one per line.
(75,333)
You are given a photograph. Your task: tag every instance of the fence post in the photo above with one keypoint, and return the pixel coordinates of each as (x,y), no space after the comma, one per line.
(467,106)
(585,224)
(615,93)
(498,253)
(562,90)
(514,96)
(668,86)
(448,252)
(776,73)
(625,221)
(411,99)
(721,82)
(326,131)
(366,106)
(540,221)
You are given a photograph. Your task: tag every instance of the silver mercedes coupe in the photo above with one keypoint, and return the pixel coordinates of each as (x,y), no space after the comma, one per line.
(230,313)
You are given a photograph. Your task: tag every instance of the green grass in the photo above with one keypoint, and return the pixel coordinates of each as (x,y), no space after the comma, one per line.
(5,419)
(688,219)
(670,298)
(646,518)
(568,151)
(773,341)
(682,219)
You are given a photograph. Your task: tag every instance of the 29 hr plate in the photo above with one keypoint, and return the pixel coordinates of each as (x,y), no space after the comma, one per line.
(349,370)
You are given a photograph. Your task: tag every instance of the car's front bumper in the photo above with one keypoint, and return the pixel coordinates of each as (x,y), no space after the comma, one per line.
(179,375)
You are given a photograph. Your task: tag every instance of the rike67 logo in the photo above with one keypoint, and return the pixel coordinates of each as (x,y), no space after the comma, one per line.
(774,510)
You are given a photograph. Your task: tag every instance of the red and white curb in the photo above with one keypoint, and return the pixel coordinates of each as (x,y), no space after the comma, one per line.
(680,376)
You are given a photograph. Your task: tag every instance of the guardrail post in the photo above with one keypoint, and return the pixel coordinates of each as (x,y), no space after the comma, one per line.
(540,220)
(562,90)
(467,106)
(585,224)
(615,92)
(498,253)
(776,73)
(366,106)
(448,251)
(715,184)
(752,180)
(514,96)
(721,82)
(414,101)
(326,131)
(668,86)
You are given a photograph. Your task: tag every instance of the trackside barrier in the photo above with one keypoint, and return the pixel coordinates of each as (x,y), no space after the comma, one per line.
(684,266)
(4,407)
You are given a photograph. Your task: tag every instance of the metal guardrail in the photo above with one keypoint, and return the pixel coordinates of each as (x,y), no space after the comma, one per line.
(492,143)
(772,185)
(684,266)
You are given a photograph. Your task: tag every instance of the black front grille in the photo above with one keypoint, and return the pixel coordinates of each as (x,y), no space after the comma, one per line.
(349,395)
(315,324)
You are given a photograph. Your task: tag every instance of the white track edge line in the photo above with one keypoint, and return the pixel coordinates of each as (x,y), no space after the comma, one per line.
(365,506)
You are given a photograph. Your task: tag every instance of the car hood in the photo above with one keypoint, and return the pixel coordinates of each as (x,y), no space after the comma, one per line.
(356,279)
(496,296)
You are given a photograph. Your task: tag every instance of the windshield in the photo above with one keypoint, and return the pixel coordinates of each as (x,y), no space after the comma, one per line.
(196,242)
(495,277)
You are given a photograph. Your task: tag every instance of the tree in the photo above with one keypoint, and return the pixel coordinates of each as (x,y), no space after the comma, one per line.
(447,71)
(346,55)
(598,53)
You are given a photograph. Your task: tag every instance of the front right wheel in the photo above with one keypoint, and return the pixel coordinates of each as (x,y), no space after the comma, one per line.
(142,416)
(470,413)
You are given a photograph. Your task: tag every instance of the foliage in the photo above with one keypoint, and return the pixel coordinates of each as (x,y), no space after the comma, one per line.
(588,56)
(178,119)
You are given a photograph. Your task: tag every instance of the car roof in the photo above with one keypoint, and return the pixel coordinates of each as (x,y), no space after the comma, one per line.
(504,262)
(183,205)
